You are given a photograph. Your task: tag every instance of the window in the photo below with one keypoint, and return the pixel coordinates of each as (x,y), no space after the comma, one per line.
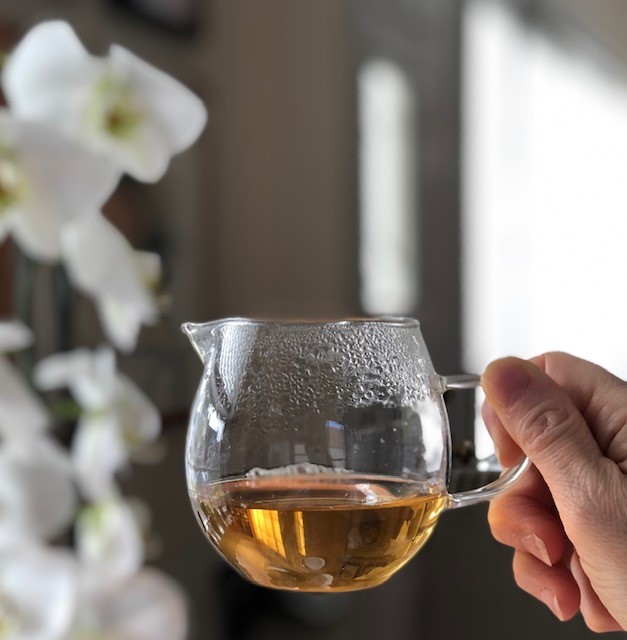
(387,190)
(545,195)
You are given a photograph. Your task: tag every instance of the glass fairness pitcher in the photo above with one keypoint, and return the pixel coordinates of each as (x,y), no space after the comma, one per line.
(318,453)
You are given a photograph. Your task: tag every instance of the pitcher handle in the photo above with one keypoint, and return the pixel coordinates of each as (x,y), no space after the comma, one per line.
(489,491)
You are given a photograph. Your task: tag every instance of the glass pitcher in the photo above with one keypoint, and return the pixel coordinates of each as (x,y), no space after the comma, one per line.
(318,453)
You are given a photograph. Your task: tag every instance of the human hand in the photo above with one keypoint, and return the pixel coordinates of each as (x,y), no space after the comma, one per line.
(567,515)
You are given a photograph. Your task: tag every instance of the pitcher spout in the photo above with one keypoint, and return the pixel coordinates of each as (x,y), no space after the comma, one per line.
(201,335)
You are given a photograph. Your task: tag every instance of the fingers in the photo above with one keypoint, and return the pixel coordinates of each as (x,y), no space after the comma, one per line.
(507,451)
(598,395)
(586,383)
(554,586)
(564,591)
(570,418)
(595,614)
(532,528)
(544,422)
(524,518)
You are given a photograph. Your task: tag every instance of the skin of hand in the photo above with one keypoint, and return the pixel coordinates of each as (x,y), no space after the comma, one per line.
(566,517)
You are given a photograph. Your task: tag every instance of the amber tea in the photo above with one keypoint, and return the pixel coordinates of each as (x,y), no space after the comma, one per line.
(318,533)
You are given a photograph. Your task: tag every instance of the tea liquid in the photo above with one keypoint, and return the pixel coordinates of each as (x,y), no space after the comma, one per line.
(318,533)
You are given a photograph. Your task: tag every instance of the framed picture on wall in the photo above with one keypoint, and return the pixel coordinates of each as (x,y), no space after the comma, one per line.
(177,16)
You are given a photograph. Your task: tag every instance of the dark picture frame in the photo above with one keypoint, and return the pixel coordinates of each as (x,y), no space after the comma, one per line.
(9,35)
(178,17)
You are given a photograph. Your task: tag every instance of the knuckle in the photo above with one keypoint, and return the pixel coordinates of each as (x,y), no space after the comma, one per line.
(556,358)
(545,426)
(554,363)
(558,362)
(579,499)
(603,496)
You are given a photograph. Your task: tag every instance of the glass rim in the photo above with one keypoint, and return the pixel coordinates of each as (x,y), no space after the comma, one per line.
(393,321)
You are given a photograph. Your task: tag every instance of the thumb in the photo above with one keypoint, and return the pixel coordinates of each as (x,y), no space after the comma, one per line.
(545,423)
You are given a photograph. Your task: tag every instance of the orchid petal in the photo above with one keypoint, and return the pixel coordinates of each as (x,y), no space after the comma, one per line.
(149,267)
(148,606)
(90,376)
(98,452)
(37,497)
(62,181)
(138,417)
(61,369)
(109,541)
(139,116)
(90,247)
(122,322)
(49,158)
(144,155)
(179,114)
(46,76)
(14,335)
(151,607)
(39,585)
(21,411)
(120,106)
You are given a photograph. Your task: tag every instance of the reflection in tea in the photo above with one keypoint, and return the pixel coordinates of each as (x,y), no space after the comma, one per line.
(318,533)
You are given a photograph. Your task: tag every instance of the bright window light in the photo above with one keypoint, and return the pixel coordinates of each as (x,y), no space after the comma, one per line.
(545,195)
(387,190)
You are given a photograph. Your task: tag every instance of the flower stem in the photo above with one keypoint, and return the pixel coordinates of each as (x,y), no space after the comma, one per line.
(26,270)
(63,298)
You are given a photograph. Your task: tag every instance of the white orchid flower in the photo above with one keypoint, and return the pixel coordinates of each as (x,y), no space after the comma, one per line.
(147,606)
(38,592)
(101,263)
(37,495)
(14,336)
(89,375)
(117,417)
(119,105)
(46,181)
(98,387)
(98,453)
(109,540)
(22,413)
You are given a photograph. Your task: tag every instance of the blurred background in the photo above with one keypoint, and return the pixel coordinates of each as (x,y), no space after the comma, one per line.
(457,161)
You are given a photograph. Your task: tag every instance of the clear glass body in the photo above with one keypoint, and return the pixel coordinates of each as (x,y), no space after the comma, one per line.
(318,453)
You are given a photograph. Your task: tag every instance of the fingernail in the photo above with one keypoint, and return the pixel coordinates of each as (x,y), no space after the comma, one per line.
(505,381)
(536,547)
(491,420)
(549,599)
(489,417)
